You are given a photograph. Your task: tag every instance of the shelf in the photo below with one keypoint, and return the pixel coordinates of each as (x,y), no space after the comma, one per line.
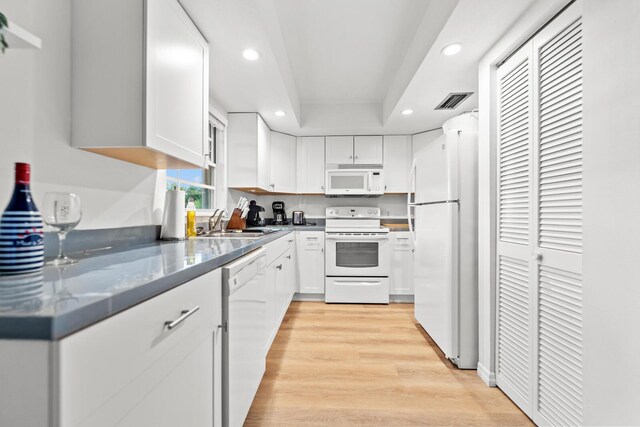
(19,38)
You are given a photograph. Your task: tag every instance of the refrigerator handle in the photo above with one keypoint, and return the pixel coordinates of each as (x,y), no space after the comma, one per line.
(412,182)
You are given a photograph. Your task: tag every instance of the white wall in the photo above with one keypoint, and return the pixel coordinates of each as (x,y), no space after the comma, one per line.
(35,115)
(537,14)
(611,275)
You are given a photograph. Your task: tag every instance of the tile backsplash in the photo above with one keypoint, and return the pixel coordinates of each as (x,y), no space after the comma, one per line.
(392,206)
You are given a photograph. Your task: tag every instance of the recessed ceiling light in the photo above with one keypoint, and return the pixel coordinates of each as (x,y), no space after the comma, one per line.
(280,113)
(451,49)
(407,112)
(250,54)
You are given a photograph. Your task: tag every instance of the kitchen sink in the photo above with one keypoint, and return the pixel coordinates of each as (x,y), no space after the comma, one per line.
(232,235)
(244,234)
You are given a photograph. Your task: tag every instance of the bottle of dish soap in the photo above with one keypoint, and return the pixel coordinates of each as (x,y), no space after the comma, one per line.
(191,218)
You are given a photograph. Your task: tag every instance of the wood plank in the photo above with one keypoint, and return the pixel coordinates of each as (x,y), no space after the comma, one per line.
(357,365)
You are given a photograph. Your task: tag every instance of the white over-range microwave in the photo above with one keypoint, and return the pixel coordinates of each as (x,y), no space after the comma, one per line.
(354,182)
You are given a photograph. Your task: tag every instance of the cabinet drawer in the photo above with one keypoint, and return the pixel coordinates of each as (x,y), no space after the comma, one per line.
(402,242)
(278,247)
(105,370)
(311,240)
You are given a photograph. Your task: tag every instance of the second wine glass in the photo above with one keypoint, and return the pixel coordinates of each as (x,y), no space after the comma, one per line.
(63,212)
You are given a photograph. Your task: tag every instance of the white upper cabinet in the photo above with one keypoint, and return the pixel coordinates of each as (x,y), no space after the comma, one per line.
(359,150)
(367,150)
(264,148)
(339,150)
(248,152)
(310,165)
(397,162)
(140,93)
(282,163)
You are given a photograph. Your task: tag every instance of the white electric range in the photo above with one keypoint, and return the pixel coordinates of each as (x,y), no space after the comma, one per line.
(358,253)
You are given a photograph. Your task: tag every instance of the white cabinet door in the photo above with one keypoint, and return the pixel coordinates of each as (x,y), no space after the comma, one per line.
(310,165)
(397,163)
(339,149)
(248,152)
(367,150)
(177,91)
(282,162)
(311,262)
(401,277)
(271,324)
(183,397)
(264,136)
(284,277)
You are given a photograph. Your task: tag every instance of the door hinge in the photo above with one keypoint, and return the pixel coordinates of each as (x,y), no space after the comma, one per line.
(226,326)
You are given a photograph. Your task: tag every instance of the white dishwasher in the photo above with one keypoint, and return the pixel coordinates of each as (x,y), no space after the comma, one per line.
(244,315)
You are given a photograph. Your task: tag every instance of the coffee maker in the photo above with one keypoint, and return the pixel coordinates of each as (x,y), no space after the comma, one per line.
(279,214)
(253,218)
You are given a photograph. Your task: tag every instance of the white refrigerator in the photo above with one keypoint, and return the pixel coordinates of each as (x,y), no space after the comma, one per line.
(444,230)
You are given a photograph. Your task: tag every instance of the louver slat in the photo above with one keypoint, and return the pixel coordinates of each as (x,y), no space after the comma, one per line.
(514,131)
(560,149)
(514,355)
(560,346)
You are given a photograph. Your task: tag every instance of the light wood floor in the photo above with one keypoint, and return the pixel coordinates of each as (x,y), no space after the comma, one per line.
(366,365)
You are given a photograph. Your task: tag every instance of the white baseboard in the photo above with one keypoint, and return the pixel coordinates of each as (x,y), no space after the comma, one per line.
(401,298)
(320,297)
(488,377)
(308,297)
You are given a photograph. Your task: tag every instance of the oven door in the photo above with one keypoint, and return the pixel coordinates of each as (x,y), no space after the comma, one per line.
(357,254)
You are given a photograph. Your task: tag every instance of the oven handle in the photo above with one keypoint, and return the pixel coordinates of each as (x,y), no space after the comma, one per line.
(357,238)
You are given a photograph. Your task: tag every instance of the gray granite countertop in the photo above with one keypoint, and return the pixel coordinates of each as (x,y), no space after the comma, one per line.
(63,300)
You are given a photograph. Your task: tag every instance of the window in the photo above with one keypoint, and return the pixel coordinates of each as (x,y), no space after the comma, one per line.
(200,184)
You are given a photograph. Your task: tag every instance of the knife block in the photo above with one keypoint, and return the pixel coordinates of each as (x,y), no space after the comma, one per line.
(235,222)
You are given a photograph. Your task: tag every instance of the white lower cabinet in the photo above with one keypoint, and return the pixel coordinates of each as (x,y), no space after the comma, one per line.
(401,275)
(281,283)
(129,369)
(310,252)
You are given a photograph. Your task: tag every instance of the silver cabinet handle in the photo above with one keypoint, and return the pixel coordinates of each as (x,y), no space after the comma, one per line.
(184,314)
(279,267)
(351,157)
(288,256)
(290,240)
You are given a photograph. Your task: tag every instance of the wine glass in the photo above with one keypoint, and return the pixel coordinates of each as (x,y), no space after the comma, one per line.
(63,212)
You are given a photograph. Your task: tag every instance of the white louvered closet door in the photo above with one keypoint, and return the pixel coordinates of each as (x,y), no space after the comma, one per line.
(539,271)
(514,273)
(558,207)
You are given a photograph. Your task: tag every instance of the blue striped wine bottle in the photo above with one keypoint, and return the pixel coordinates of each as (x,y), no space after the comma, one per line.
(21,235)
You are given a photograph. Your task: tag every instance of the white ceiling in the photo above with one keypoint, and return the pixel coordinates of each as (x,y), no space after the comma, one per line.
(347,51)
(348,66)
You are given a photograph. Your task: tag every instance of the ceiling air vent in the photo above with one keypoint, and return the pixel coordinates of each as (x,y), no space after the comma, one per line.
(453,100)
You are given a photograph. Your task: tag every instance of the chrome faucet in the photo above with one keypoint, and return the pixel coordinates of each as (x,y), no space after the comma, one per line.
(216,219)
